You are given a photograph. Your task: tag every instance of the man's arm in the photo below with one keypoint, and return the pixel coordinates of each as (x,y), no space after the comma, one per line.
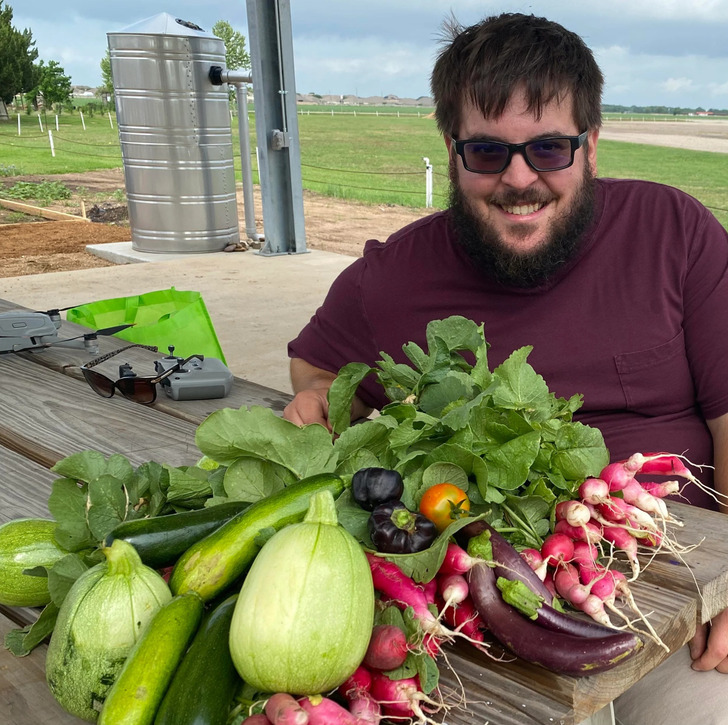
(719,430)
(310,404)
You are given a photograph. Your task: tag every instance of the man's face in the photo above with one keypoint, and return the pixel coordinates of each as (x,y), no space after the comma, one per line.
(526,220)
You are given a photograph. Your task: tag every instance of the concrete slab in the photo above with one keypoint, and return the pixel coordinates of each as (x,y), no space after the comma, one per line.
(257,303)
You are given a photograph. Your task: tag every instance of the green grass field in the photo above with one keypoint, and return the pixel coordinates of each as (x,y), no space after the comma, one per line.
(375,156)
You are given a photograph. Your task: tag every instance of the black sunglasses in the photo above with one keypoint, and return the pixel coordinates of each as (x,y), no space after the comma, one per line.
(132,387)
(543,154)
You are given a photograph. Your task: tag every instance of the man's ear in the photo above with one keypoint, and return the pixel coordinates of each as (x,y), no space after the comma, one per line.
(593,140)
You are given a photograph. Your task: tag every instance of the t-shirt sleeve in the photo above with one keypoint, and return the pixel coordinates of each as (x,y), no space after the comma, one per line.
(706,315)
(339,332)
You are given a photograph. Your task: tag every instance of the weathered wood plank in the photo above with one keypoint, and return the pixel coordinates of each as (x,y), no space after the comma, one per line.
(702,572)
(24,487)
(24,695)
(672,615)
(46,416)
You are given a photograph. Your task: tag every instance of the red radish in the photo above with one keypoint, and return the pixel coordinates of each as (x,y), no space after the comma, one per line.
(322,711)
(573,512)
(665,464)
(623,540)
(258,719)
(387,648)
(453,588)
(589,532)
(632,515)
(282,709)
(548,582)
(557,548)
(456,561)
(360,680)
(389,579)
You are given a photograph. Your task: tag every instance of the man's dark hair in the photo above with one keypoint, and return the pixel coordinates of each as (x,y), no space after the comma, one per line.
(485,63)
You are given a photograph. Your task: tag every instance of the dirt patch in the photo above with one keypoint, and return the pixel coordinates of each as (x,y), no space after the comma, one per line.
(33,246)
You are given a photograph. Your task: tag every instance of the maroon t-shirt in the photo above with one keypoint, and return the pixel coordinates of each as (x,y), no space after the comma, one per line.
(636,322)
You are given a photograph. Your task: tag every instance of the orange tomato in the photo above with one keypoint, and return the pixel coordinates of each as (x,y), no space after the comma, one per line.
(444,503)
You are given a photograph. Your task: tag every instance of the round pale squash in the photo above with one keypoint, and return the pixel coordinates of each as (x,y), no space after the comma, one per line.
(305,612)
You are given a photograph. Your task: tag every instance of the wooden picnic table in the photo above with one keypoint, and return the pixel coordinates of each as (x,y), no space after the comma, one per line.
(47,412)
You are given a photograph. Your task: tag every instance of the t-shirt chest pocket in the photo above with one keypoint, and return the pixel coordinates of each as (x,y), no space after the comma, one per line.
(657,381)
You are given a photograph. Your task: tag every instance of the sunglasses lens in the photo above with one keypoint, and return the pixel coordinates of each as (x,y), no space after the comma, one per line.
(137,389)
(485,157)
(550,154)
(99,383)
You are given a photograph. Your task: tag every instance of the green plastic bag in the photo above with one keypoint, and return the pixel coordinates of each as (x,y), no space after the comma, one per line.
(162,318)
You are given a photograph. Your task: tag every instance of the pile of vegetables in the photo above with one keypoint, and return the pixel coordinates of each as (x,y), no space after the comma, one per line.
(297,576)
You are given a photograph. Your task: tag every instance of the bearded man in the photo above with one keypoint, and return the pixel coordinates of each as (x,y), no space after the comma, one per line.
(620,286)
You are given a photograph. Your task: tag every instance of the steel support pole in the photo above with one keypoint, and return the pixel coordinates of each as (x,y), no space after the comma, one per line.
(276,124)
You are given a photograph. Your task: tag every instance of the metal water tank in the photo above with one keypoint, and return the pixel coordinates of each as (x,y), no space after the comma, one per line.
(176,140)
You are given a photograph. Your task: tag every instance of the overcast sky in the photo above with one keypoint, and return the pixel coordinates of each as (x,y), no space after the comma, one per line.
(656,52)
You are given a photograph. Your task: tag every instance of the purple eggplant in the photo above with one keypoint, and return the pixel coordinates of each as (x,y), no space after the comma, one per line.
(566,654)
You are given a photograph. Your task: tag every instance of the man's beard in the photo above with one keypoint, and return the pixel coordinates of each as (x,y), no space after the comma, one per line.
(485,246)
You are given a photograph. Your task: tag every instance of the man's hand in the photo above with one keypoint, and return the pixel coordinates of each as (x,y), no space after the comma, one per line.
(309,406)
(709,646)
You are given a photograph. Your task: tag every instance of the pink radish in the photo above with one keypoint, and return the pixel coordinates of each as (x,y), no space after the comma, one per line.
(594,490)
(557,548)
(391,581)
(456,561)
(465,618)
(635,494)
(623,540)
(453,588)
(534,559)
(387,648)
(665,464)
(619,510)
(660,489)
(589,532)
(566,579)
(360,680)
(365,709)
(430,589)
(257,719)
(618,474)
(573,512)
(400,698)
(322,711)
(585,555)
(282,709)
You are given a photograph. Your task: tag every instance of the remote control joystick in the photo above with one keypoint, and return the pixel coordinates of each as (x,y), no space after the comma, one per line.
(197,379)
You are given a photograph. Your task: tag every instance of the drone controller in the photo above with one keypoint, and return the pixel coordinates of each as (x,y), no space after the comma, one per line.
(197,379)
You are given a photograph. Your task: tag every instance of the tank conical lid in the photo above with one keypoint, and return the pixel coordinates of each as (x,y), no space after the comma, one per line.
(165,24)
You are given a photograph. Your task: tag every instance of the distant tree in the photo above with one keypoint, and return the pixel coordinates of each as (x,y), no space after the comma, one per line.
(55,85)
(107,85)
(17,54)
(236,55)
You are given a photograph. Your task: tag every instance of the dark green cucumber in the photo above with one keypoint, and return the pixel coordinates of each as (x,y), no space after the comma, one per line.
(213,563)
(137,692)
(205,684)
(161,540)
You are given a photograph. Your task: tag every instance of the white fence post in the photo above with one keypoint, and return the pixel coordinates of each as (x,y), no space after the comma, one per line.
(428,182)
(83,122)
(50,138)
(40,123)
(18,124)
(56,122)
(111,123)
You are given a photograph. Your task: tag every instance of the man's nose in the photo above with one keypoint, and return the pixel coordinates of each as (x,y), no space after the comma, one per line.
(518,174)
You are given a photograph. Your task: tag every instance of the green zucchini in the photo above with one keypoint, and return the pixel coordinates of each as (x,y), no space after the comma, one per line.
(138,690)
(205,684)
(160,540)
(213,563)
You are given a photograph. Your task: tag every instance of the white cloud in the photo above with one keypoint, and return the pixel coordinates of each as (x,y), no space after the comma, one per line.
(675,85)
